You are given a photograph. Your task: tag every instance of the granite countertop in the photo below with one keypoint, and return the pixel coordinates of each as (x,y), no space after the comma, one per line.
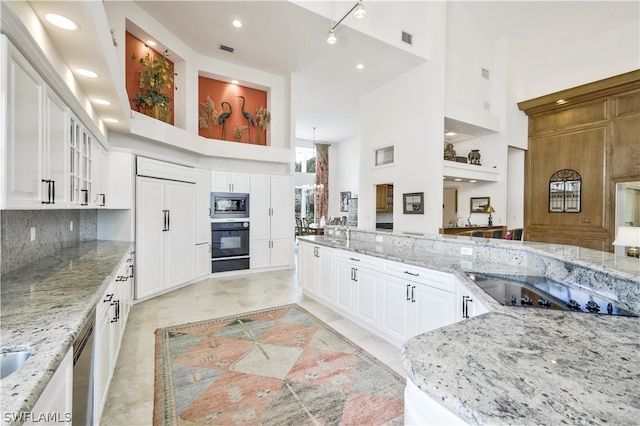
(44,305)
(515,365)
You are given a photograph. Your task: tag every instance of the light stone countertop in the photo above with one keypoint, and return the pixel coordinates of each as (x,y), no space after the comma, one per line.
(44,305)
(523,366)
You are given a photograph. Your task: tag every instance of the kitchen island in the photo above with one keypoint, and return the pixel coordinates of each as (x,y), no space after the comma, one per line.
(44,306)
(517,365)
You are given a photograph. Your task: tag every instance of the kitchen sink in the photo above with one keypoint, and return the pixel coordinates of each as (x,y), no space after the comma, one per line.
(11,361)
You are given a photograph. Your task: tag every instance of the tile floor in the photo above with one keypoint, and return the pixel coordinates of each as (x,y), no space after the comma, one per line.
(130,398)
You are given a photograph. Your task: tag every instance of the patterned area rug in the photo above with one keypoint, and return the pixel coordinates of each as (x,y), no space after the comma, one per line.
(280,366)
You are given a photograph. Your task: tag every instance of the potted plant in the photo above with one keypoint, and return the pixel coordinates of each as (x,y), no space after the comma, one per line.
(156,77)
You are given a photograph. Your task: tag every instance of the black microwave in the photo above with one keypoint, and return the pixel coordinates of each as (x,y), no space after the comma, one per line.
(229,205)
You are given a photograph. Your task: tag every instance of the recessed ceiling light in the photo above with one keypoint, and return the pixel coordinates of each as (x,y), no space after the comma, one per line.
(234,81)
(111,120)
(457,179)
(473,181)
(86,73)
(61,22)
(236,23)
(151,43)
(101,101)
(450,133)
(360,66)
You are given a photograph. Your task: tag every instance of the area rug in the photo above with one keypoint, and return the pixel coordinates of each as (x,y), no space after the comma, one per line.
(280,366)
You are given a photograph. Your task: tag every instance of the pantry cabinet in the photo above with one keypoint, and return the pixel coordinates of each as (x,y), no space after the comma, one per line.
(165,228)
(271,232)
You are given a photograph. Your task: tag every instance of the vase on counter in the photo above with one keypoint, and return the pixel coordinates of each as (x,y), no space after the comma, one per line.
(474,157)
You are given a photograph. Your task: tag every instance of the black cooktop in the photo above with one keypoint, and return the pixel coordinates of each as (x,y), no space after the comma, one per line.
(541,292)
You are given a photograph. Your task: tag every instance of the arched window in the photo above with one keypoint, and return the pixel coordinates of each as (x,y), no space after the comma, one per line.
(565,191)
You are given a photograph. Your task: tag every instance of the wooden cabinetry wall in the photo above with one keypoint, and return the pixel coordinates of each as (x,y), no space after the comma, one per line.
(596,132)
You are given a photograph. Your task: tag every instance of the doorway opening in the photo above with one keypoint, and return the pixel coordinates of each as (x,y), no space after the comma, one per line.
(384,206)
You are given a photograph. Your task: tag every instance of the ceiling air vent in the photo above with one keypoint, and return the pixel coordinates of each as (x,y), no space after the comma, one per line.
(226,48)
(407,38)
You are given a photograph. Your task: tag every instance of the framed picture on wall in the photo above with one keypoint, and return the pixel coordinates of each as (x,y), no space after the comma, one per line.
(413,203)
(344,201)
(479,204)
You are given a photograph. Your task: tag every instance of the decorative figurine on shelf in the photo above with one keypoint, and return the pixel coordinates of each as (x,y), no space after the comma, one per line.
(474,157)
(449,152)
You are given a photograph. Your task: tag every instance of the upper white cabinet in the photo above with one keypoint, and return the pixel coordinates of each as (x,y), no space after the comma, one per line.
(22,127)
(230,182)
(271,234)
(46,154)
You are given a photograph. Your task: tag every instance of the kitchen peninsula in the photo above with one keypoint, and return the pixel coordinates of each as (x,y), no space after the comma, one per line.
(514,365)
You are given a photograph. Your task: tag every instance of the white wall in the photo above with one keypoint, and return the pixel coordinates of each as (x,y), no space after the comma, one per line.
(344,163)
(407,112)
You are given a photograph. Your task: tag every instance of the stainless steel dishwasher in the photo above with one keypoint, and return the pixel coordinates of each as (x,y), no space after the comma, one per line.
(83,373)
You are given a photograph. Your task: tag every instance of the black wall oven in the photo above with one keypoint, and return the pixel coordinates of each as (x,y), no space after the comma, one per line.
(229,246)
(229,205)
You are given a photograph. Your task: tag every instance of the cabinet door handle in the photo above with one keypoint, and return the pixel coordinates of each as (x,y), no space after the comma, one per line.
(85,193)
(412,274)
(465,306)
(355,274)
(164,221)
(48,182)
(408,286)
(108,299)
(104,200)
(53,192)
(168,220)
(413,299)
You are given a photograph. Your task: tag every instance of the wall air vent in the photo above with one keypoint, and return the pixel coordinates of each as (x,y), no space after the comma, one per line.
(407,38)
(226,48)
(485,73)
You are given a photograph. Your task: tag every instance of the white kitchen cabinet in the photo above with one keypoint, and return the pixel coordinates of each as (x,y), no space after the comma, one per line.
(112,312)
(358,286)
(468,305)
(415,300)
(202,212)
(222,181)
(271,232)
(318,264)
(55,168)
(165,228)
(121,179)
(57,397)
(202,218)
(100,176)
(23,117)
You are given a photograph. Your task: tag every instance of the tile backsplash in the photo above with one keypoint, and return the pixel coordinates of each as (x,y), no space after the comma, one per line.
(54,229)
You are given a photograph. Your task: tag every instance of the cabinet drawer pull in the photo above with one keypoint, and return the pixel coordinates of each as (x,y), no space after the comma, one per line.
(411,273)
(354,259)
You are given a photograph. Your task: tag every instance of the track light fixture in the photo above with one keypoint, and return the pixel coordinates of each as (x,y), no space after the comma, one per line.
(359,13)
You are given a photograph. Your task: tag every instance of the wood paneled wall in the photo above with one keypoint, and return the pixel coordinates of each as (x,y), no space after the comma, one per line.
(596,132)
